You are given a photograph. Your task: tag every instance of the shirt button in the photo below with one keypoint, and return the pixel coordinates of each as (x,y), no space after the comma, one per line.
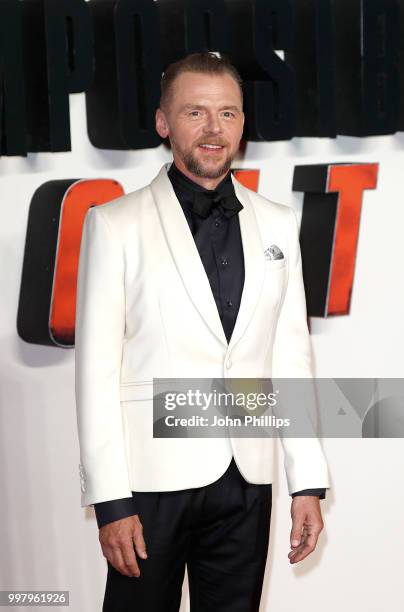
(229,364)
(217,223)
(229,303)
(224,261)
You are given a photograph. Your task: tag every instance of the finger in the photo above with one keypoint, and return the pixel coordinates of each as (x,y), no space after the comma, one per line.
(304,550)
(296,532)
(298,548)
(301,545)
(293,553)
(129,557)
(140,544)
(119,563)
(301,554)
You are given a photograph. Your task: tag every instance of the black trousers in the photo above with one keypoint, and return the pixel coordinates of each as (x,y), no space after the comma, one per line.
(219,531)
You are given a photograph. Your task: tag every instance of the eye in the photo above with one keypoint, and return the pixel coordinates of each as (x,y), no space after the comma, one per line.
(229,114)
(195,113)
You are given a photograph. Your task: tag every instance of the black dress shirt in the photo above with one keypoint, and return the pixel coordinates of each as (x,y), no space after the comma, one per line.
(219,244)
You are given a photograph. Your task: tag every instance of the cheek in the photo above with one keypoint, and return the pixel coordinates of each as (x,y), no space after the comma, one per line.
(187,135)
(235,137)
(234,131)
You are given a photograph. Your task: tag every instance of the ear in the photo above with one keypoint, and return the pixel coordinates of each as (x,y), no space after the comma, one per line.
(161,124)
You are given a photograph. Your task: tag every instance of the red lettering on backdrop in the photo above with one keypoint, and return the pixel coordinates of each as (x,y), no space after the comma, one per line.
(350,182)
(77,200)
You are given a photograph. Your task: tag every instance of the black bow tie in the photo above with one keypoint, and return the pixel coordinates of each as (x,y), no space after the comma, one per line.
(224,199)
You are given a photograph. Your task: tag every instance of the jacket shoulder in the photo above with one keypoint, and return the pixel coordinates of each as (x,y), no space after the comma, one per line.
(265,207)
(126,209)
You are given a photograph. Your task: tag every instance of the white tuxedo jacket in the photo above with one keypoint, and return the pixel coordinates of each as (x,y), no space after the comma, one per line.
(145,309)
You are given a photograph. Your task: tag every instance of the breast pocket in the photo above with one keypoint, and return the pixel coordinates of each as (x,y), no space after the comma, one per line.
(275,264)
(274,284)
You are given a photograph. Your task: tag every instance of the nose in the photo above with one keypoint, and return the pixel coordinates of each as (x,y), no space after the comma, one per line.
(212,124)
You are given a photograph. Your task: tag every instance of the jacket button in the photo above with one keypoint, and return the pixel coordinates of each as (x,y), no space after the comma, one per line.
(228,364)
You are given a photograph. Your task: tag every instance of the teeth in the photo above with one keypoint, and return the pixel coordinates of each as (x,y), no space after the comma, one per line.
(210,146)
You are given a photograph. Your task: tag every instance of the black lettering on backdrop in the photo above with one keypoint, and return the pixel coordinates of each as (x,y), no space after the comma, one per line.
(191,26)
(261,27)
(351,84)
(39,260)
(38,136)
(68,32)
(368,37)
(12,89)
(122,100)
(317,231)
(57,53)
(312,58)
(207,26)
(171,17)
(139,71)
(400,126)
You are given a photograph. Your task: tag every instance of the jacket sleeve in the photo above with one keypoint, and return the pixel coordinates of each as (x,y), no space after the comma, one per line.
(320,493)
(114,510)
(304,461)
(99,333)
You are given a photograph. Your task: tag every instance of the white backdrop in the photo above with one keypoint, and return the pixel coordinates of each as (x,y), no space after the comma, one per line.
(49,542)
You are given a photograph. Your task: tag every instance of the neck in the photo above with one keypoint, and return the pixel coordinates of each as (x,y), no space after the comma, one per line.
(207,183)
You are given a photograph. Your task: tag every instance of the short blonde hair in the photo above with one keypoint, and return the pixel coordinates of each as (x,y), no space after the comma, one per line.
(205,63)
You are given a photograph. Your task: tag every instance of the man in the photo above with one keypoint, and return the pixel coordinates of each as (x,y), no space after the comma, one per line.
(191,276)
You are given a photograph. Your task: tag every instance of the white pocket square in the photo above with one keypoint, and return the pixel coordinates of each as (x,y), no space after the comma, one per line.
(273,252)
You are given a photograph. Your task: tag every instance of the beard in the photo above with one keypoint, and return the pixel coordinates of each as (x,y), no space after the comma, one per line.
(203,170)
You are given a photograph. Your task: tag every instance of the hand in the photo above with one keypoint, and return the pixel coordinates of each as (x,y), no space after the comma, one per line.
(117,539)
(307,523)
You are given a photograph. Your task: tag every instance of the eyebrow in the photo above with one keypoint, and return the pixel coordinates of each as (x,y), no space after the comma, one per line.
(201,107)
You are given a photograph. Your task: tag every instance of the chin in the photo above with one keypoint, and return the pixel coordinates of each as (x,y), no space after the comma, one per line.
(214,165)
(213,172)
(206,168)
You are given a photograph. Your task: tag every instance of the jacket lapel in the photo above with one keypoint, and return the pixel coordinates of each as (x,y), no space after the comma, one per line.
(254,262)
(188,262)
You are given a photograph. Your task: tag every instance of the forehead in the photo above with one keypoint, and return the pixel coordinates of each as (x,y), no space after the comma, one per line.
(198,88)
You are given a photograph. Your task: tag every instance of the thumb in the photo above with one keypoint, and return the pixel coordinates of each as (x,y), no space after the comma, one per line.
(296,532)
(140,545)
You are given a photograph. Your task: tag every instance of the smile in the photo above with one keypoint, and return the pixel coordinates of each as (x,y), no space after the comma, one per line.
(211,147)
